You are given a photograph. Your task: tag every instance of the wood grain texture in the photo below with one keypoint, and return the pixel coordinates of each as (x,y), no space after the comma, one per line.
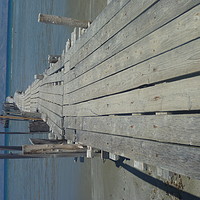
(182,129)
(128,13)
(53,98)
(178,95)
(179,31)
(57,109)
(56,77)
(178,62)
(58,120)
(70,134)
(52,89)
(181,159)
(59,132)
(55,67)
(103,18)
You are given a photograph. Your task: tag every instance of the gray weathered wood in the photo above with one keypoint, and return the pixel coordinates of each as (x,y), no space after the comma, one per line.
(56,77)
(70,134)
(53,116)
(52,106)
(23,156)
(54,98)
(55,67)
(53,148)
(178,62)
(53,58)
(178,95)
(52,19)
(182,129)
(46,141)
(128,13)
(103,18)
(51,89)
(176,158)
(170,36)
(59,132)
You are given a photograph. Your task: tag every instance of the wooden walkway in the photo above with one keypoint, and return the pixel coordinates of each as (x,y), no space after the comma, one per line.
(129,84)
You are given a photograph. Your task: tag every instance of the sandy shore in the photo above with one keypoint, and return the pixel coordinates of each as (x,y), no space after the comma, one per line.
(124,182)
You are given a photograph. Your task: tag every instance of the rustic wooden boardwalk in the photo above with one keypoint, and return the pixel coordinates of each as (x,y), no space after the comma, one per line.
(129,84)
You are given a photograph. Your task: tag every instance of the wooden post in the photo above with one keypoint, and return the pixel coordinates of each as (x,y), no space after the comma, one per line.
(53,58)
(37,141)
(11,148)
(14,156)
(52,19)
(22,156)
(31,114)
(53,149)
(19,118)
(38,126)
(38,76)
(15,133)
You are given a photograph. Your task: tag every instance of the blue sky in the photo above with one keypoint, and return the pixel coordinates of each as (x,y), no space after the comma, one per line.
(3,47)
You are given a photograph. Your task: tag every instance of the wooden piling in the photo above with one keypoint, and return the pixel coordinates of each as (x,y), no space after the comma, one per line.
(53,58)
(22,133)
(18,118)
(53,149)
(11,148)
(38,126)
(52,19)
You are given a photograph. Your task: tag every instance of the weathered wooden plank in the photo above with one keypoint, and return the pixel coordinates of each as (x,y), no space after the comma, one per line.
(28,90)
(70,134)
(55,67)
(53,116)
(54,98)
(180,129)
(176,158)
(53,148)
(128,13)
(35,84)
(179,31)
(59,132)
(103,18)
(58,20)
(178,95)
(52,89)
(57,109)
(56,77)
(178,62)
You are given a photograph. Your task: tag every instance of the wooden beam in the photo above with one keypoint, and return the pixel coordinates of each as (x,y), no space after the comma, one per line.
(181,159)
(179,129)
(183,60)
(37,141)
(52,19)
(11,148)
(53,58)
(114,57)
(25,156)
(20,133)
(174,96)
(19,118)
(101,20)
(53,148)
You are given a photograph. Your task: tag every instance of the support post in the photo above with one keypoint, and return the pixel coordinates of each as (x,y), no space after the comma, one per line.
(53,58)
(52,19)
(8,117)
(23,133)
(53,149)
(11,148)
